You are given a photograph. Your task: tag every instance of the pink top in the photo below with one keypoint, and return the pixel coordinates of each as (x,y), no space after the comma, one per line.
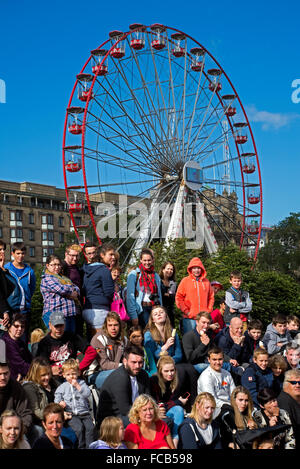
(133,434)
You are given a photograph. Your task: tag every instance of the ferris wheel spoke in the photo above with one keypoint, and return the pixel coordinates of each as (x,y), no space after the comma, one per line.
(169,195)
(120,137)
(118,161)
(151,109)
(225,215)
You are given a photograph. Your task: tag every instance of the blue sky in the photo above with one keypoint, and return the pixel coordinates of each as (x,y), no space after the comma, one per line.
(45,44)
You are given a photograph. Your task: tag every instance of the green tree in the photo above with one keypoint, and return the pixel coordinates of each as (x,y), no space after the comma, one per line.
(282,252)
(37,302)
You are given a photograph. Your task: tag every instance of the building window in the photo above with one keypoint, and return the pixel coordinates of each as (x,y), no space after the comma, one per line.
(31,235)
(61,237)
(16,216)
(60,221)
(51,251)
(47,219)
(45,252)
(1,232)
(19,233)
(44,236)
(77,221)
(32,251)
(1,215)
(50,235)
(12,233)
(31,218)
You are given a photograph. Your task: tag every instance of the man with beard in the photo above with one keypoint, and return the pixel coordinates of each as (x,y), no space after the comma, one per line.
(121,387)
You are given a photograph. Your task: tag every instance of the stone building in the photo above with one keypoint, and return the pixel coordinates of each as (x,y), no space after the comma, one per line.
(37,215)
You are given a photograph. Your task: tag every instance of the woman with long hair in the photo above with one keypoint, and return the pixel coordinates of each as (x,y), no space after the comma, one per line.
(146,429)
(199,430)
(160,336)
(59,294)
(169,393)
(162,340)
(107,348)
(238,416)
(167,274)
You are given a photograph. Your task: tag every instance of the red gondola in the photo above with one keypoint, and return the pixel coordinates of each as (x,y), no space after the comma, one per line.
(119,50)
(137,40)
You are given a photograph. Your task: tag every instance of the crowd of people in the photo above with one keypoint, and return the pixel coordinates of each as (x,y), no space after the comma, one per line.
(113,368)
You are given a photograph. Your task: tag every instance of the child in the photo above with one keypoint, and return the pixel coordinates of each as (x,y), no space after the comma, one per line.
(277,336)
(111,434)
(238,301)
(73,395)
(264,442)
(258,375)
(194,294)
(293,325)
(35,337)
(252,339)
(218,322)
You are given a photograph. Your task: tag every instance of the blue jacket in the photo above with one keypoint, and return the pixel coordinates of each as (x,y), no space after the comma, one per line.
(225,342)
(255,379)
(174,351)
(134,303)
(27,283)
(98,286)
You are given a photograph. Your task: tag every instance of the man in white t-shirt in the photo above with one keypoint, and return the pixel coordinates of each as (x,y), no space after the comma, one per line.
(216,380)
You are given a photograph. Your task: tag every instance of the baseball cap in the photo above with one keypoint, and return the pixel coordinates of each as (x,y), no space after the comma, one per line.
(56,318)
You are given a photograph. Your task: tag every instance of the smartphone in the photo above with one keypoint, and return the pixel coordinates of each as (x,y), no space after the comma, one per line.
(186,395)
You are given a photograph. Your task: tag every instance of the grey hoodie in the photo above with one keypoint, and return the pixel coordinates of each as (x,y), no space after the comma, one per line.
(77,401)
(272,338)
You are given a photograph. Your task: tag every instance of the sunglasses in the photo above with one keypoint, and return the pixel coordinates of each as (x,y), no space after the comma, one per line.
(294,382)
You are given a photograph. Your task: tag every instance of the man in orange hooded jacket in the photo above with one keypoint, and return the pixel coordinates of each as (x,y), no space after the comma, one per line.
(194,294)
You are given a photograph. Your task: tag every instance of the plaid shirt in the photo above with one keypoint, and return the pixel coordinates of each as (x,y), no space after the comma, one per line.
(55,296)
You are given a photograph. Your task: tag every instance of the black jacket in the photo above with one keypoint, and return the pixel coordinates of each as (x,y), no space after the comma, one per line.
(194,350)
(190,437)
(116,394)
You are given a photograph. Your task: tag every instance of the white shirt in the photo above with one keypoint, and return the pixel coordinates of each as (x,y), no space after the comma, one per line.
(220,385)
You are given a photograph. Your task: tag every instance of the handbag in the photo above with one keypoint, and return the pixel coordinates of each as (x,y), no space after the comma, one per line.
(118,307)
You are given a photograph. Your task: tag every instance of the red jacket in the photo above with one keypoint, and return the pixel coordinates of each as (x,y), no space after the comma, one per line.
(194,294)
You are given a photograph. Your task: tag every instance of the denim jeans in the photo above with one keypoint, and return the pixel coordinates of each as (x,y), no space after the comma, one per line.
(99,377)
(176,413)
(187,325)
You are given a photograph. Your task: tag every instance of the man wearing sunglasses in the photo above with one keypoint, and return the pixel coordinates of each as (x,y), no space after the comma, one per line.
(289,400)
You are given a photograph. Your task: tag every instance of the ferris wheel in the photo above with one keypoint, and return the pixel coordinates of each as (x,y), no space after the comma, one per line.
(155,129)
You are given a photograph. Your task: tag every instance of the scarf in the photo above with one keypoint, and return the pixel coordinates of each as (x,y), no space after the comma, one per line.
(147,280)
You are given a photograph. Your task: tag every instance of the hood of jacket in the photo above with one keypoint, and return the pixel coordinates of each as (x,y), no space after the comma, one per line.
(196,262)
(92,269)
(271,330)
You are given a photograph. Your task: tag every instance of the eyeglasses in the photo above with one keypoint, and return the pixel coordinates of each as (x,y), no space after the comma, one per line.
(294,383)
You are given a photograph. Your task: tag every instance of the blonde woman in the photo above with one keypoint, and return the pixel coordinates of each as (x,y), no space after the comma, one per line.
(199,430)
(11,431)
(111,434)
(169,393)
(146,429)
(237,416)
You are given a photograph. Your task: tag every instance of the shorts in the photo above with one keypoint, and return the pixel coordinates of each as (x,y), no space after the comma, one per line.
(95,317)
